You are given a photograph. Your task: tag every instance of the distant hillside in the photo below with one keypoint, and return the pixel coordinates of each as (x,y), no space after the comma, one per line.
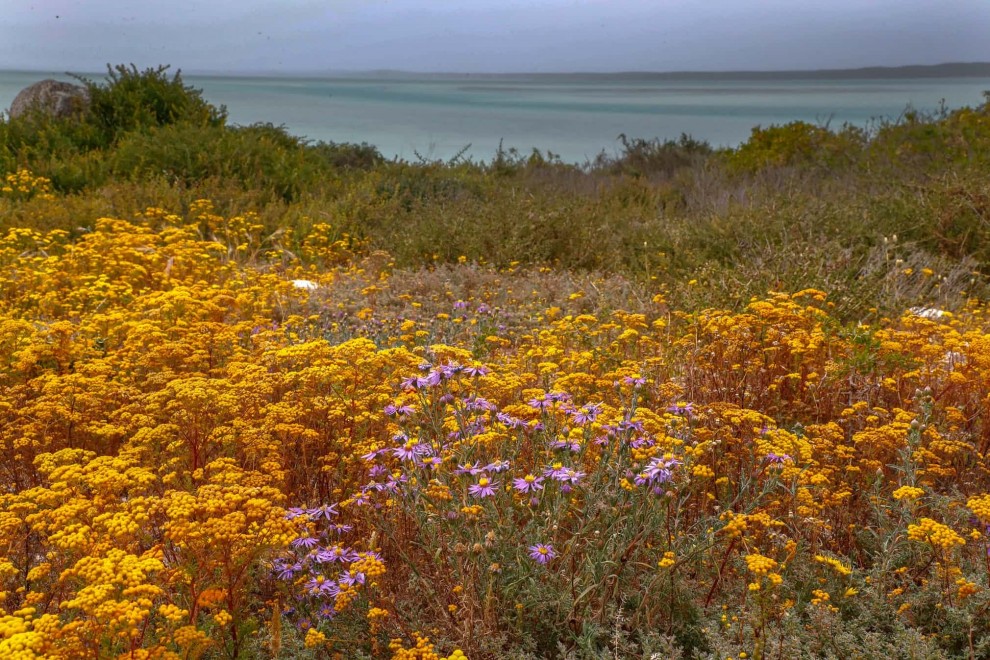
(947,70)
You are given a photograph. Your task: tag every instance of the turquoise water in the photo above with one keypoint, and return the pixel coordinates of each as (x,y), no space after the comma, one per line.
(574,117)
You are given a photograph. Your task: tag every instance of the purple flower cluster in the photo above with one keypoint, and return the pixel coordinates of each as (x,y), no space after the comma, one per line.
(563,474)
(440,374)
(324,511)
(309,557)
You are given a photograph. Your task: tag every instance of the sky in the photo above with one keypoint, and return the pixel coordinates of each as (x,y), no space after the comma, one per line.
(489,36)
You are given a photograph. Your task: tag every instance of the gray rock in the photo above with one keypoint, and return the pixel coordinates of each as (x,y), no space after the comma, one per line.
(52,97)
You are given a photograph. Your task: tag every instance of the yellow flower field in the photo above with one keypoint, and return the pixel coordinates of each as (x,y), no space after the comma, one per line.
(215,448)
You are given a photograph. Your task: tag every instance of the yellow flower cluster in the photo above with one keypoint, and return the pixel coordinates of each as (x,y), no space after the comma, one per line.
(908,493)
(314,638)
(935,533)
(22,184)
(980,506)
(422,649)
(23,636)
(368,564)
(965,588)
(821,598)
(762,567)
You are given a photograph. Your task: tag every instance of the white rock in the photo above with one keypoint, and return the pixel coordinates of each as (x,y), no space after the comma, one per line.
(305,284)
(928,312)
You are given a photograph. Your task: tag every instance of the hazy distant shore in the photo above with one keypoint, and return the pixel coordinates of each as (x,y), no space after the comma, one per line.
(945,70)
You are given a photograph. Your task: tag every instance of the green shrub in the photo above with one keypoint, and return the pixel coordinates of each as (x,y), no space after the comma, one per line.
(347,156)
(796,143)
(261,157)
(66,150)
(641,157)
(131,100)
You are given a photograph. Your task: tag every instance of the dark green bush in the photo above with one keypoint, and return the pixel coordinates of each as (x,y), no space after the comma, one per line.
(642,157)
(347,156)
(64,149)
(130,100)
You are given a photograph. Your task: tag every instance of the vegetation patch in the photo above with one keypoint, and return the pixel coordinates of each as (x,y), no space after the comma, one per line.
(266,398)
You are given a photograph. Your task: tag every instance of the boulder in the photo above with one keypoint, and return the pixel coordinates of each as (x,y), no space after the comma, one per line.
(52,97)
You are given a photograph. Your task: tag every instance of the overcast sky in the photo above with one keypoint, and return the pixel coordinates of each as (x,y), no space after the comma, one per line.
(489,35)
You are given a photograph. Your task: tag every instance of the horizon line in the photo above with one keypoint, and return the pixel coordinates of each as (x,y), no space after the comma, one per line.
(316,73)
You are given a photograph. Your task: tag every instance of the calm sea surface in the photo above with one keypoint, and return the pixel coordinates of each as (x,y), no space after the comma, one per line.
(574,117)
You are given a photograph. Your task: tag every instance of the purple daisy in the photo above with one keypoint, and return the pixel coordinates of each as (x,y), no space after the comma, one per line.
(566,444)
(433,462)
(336,553)
(372,455)
(658,471)
(350,578)
(541,404)
(630,425)
(565,475)
(510,421)
(528,484)
(402,411)
(468,468)
(484,488)
(478,403)
(325,511)
(320,586)
(497,466)
(777,459)
(304,542)
(542,553)
(287,571)
(360,499)
(682,409)
(410,450)
(641,441)
(587,413)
